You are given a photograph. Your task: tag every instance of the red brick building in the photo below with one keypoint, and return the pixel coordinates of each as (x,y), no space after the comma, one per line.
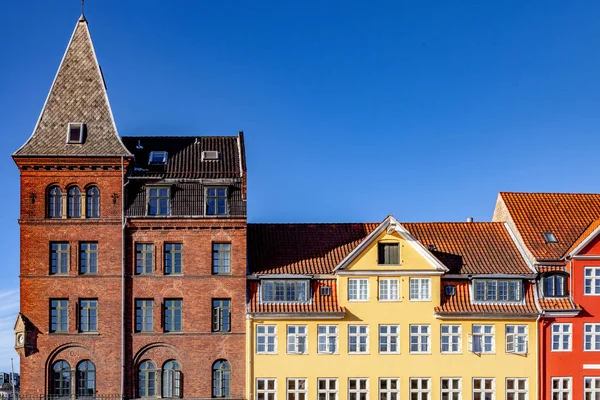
(133,251)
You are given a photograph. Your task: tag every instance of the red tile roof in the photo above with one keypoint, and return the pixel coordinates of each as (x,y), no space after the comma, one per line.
(566,215)
(318,303)
(557,304)
(588,231)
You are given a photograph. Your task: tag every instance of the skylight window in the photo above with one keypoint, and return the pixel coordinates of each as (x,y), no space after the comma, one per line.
(75,132)
(158,158)
(210,155)
(549,237)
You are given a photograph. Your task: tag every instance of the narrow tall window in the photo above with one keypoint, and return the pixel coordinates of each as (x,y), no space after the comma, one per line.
(389,253)
(561,337)
(327,339)
(216,201)
(159,201)
(59,315)
(296,389)
(482,339)
(358,389)
(591,337)
(483,388)
(221,258)
(327,389)
(592,281)
(451,389)
(74,202)
(420,289)
(555,286)
(389,337)
(59,258)
(88,315)
(86,379)
(147,379)
(516,339)
(92,202)
(144,259)
(419,339)
(420,388)
(173,252)
(358,289)
(266,339)
(75,132)
(221,314)
(358,339)
(171,380)
(54,202)
(61,379)
(173,315)
(450,338)
(388,290)
(144,315)
(591,388)
(88,258)
(562,388)
(266,389)
(517,389)
(296,339)
(221,378)
(389,389)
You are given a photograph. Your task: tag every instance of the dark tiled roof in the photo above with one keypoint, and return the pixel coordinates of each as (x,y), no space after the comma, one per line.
(185,156)
(567,215)
(318,303)
(461,302)
(78,94)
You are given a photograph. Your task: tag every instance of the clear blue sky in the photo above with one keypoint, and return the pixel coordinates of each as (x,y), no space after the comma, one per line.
(351,110)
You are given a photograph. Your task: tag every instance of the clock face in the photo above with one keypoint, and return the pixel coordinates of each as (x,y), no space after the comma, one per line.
(20,338)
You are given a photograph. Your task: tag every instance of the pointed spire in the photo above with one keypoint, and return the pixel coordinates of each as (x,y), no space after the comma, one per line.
(77,95)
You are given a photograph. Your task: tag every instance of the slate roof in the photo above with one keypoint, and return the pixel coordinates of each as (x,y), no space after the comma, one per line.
(185,156)
(567,215)
(318,303)
(78,94)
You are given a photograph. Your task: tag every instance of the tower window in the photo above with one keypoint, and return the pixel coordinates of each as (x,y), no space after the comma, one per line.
(75,132)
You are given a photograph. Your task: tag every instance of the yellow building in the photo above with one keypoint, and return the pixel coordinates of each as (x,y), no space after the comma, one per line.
(389,311)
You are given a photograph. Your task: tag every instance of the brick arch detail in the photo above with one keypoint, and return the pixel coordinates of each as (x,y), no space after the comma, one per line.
(158,353)
(72,353)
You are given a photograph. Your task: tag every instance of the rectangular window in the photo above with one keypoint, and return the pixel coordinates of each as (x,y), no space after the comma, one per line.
(296,389)
(451,389)
(484,388)
(159,200)
(388,290)
(592,281)
(266,389)
(420,389)
(144,315)
(358,389)
(173,252)
(144,258)
(555,285)
(358,339)
(450,339)
(517,389)
(358,289)
(419,339)
(216,201)
(561,337)
(389,253)
(592,337)
(420,289)
(327,389)
(88,258)
(221,315)
(221,258)
(266,339)
(173,315)
(389,389)
(591,388)
(59,258)
(562,388)
(59,315)
(389,338)
(516,339)
(296,339)
(327,339)
(482,339)
(284,291)
(88,315)
(494,290)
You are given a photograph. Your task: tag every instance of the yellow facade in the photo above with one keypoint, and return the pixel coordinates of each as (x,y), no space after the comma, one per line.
(405,365)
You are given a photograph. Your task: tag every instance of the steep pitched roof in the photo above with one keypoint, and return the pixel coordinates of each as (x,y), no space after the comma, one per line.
(583,239)
(78,94)
(566,215)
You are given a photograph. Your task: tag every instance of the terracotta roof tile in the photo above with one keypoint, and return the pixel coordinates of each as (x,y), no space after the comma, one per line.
(557,304)
(588,231)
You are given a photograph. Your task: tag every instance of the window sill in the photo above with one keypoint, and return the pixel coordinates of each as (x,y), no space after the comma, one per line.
(173,333)
(353,353)
(265,354)
(450,353)
(329,354)
(297,354)
(387,353)
(561,351)
(419,352)
(91,333)
(358,301)
(390,301)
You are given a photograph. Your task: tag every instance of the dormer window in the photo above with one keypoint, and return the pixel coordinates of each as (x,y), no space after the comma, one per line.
(284,291)
(496,290)
(158,158)
(549,237)
(389,253)
(555,285)
(75,132)
(159,201)
(216,201)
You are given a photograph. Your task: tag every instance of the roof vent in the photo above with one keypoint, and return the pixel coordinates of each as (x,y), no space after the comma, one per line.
(325,290)
(549,237)
(450,290)
(470,219)
(139,145)
(75,132)
(431,247)
(158,158)
(210,155)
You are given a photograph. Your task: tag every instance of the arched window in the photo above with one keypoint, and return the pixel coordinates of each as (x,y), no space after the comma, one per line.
(171,381)
(55,202)
(74,202)
(92,203)
(555,285)
(61,378)
(221,377)
(147,379)
(86,379)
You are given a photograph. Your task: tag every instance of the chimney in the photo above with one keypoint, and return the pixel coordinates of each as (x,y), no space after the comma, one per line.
(470,219)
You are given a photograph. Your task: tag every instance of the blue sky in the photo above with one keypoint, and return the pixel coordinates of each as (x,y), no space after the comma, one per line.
(352,110)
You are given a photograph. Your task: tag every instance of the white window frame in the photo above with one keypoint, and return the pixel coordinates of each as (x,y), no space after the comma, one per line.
(594,389)
(327,391)
(361,291)
(562,389)
(591,280)
(266,391)
(296,393)
(332,331)
(267,335)
(516,339)
(419,289)
(482,335)
(385,289)
(454,334)
(358,392)
(452,392)
(297,339)
(361,334)
(81,130)
(558,336)
(422,393)
(482,390)
(593,335)
(389,393)
(388,339)
(423,336)
(516,391)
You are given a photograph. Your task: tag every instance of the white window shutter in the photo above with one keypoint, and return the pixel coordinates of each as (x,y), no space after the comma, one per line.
(510,343)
